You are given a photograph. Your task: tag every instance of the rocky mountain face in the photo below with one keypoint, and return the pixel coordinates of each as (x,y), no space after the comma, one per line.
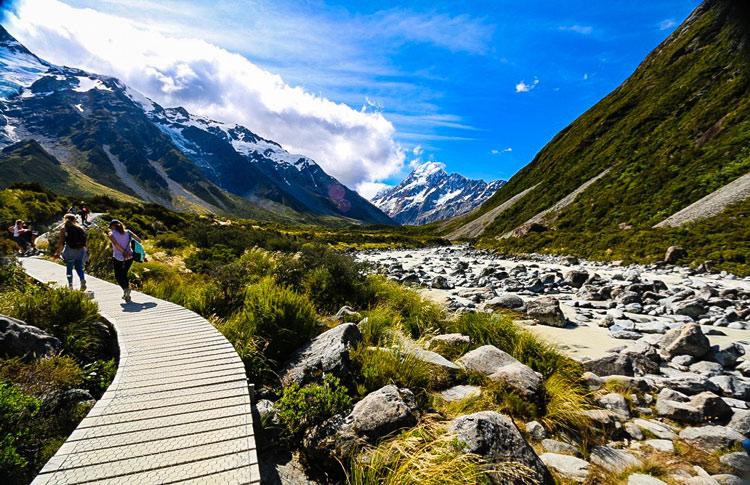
(670,135)
(430,194)
(110,139)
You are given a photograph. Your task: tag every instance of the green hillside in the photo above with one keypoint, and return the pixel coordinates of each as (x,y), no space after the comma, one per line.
(675,131)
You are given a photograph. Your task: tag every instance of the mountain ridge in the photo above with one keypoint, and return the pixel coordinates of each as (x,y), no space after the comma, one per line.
(122,140)
(430,194)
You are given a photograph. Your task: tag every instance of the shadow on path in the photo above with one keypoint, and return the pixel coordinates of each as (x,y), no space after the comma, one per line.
(134,307)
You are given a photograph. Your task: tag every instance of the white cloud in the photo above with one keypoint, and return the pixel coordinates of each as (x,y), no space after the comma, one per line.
(369,190)
(524,87)
(578,29)
(495,151)
(353,146)
(667,24)
(417,150)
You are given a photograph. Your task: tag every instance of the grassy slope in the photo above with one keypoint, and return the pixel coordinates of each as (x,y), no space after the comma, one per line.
(676,130)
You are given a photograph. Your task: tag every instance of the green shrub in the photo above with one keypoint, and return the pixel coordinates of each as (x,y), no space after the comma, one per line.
(302,407)
(282,319)
(170,240)
(44,376)
(379,326)
(98,375)
(17,411)
(205,260)
(197,293)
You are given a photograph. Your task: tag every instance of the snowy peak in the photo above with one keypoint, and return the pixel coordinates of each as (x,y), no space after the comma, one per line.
(430,194)
(20,67)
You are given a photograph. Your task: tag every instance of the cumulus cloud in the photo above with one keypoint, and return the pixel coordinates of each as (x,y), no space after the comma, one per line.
(667,24)
(369,190)
(524,87)
(354,146)
(578,29)
(495,151)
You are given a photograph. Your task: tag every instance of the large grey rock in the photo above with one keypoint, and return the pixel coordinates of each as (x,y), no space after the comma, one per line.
(495,437)
(641,479)
(486,359)
(450,343)
(440,283)
(727,479)
(505,300)
(740,421)
(521,379)
(732,386)
(546,310)
(576,277)
(382,412)
(616,403)
(686,340)
(25,341)
(712,407)
(613,459)
(711,438)
(568,466)
(326,353)
(666,446)
(460,392)
(674,254)
(678,411)
(738,461)
(728,354)
(559,447)
(660,430)
(621,364)
(693,308)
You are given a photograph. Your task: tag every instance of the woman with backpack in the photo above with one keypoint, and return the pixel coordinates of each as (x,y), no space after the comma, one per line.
(72,248)
(122,254)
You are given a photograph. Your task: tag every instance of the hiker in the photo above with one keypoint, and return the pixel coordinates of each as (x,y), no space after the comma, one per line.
(72,248)
(122,254)
(22,235)
(84,215)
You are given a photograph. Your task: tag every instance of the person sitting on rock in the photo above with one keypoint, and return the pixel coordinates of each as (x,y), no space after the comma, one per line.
(22,235)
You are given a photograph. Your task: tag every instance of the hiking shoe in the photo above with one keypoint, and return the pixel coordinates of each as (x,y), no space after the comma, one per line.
(126,296)
(83,286)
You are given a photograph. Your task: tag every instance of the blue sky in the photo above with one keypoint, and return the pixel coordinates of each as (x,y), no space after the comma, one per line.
(480,86)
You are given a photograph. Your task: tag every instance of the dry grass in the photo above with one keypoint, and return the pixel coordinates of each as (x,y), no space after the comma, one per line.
(429,455)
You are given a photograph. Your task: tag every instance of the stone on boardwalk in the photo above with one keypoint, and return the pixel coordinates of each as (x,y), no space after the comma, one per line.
(177,410)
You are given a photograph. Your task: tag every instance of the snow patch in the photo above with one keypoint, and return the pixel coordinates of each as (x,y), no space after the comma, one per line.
(86,84)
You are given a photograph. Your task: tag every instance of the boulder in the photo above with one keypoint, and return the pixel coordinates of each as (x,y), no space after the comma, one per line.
(740,421)
(347,314)
(576,278)
(559,447)
(25,341)
(486,359)
(712,407)
(660,430)
(522,379)
(727,355)
(382,412)
(616,403)
(440,283)
(570,467)
(613,459)
(546,310)
(449,344)
(686,340)
(505,300)
(536,430)
(495,437)
(665,446)
(621,364)
(678,411)
(460,392)
(738,461)
(727,479)
(641,479)
(326,353)
(674,254)
(732,386)
(711,438)
(693,308)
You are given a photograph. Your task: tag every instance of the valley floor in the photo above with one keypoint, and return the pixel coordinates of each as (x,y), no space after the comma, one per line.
(462,279)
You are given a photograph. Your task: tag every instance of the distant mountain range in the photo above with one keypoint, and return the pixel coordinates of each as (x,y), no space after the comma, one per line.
(84,134)
(430,194)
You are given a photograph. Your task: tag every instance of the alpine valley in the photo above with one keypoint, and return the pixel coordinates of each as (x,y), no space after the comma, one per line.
(79,133)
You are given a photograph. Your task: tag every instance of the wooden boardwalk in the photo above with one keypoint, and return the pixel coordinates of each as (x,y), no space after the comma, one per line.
(178,410)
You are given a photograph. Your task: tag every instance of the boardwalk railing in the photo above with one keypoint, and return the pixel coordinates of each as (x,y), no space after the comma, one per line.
(178,409)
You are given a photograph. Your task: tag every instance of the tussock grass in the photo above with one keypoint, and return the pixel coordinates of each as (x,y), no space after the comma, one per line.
(419,317)
(381,367)
(44,376)
(194,292)
(428,454)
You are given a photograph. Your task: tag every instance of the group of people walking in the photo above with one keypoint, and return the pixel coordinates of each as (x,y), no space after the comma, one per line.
(72,248)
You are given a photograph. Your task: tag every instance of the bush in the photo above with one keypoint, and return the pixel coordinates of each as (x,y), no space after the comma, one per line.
(44,376)
(197,293)
(302,407)
(207,259)
(17,411)
(98,375)
(170,240)
(277,316)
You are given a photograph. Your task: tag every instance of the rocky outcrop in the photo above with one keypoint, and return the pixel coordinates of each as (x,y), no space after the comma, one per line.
(328,352)
(25,341)
(496,438)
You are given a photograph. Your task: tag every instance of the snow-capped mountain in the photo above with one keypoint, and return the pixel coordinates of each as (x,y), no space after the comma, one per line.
(430,194)
(111,139)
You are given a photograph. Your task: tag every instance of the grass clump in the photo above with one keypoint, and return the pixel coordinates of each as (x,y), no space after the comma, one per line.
(429,454)
(193,292)
(275,315)
(302,407)
(418,317)
(380,367)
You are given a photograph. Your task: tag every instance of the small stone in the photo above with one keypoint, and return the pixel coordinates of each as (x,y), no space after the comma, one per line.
(568,466)
(536,430)
(460,392)
(613,459)
(560,447)
(641,479)
(666,446)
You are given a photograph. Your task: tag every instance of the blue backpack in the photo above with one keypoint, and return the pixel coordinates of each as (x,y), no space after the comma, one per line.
(139,254)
